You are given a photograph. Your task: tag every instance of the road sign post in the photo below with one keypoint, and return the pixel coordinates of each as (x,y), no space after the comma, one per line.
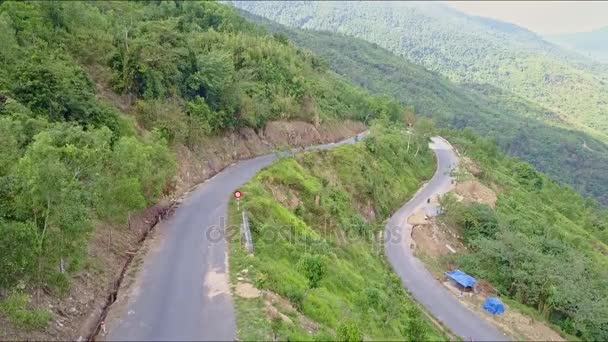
(238,195)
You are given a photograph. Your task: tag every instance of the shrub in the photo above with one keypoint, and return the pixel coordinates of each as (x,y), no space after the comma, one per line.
(348,331)
(18,245)
(479,220)
(313,267)
(415,329)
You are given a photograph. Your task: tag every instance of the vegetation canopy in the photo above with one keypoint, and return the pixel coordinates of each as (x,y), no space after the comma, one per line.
(94,95)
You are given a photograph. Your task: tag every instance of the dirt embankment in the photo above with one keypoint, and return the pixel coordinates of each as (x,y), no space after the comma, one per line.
(219,152)
(112,248)
(434,240)
(475,191)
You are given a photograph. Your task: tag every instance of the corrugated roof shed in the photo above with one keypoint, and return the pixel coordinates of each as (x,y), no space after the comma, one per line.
(461,278)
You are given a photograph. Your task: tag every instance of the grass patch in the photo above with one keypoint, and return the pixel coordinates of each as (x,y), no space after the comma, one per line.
(15,307)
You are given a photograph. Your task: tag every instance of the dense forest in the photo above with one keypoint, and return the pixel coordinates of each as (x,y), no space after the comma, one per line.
(466,49)
(520,127)
(94,97)
(315,220)
(543,245)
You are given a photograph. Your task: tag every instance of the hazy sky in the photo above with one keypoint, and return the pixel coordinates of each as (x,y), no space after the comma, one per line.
(542,16)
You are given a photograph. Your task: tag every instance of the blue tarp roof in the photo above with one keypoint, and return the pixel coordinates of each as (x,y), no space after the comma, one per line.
(461,278)
(494,306)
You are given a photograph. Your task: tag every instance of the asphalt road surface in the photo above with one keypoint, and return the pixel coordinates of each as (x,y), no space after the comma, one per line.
(415,277)
(181,291)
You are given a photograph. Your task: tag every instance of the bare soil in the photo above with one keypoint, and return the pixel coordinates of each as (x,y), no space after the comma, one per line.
(300,134)
(431,242)
(471,166)
(434,239)
(246,290)
(77,313)
(475,191)
(418,218)
(113,247)
(277,307)
(366,210)
(219,152)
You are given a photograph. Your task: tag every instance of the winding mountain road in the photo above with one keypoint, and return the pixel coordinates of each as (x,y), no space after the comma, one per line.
(415,277)
(182,290)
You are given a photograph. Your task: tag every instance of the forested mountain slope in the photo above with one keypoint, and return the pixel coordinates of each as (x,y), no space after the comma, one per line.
(96,98)
(521,127)
(465,49)
(540,243)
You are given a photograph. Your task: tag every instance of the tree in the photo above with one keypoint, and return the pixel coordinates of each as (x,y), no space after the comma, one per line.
(18,246)
(52,177)
(211,79)
(148,166)
(10,151)
(423,130)
(528,176)
(479,220)
(200,114)
(313,267)
(409,116)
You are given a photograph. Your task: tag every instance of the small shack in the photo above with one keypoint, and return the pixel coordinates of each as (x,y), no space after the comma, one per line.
(494,306)
(463,280)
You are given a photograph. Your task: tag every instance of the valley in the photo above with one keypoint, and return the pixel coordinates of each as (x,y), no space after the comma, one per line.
(524,126)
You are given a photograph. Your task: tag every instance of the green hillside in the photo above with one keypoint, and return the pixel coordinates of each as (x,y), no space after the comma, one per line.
(521,127)
(542,245)
(96,96)
(315,220)
(465,49)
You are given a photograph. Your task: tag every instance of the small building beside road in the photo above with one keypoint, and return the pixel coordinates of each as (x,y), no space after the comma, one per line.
(462,280)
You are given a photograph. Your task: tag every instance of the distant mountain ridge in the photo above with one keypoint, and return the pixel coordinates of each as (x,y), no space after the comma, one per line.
(522,128)
(593,44)
(465,49)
